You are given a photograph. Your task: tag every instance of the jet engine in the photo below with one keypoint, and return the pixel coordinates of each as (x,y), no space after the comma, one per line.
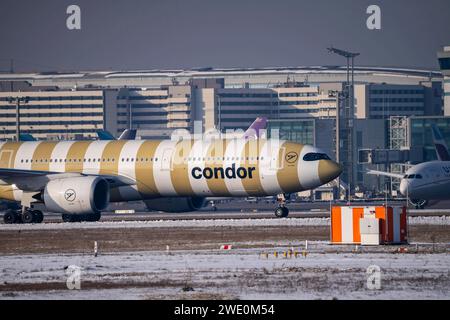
(80,195)
(176,204)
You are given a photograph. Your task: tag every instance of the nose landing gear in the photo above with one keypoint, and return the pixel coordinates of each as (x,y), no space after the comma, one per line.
(282,211)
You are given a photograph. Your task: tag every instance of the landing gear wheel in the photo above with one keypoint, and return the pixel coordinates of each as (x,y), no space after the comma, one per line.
(67,218)
(96,216)
(281,212)
(39,216)
(28,216)
(10,217)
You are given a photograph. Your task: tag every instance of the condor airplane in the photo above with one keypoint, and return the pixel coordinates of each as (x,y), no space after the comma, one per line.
(426,181)
(79,178)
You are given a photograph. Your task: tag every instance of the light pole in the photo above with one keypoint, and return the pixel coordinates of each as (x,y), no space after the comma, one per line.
(348,114)
(17,101)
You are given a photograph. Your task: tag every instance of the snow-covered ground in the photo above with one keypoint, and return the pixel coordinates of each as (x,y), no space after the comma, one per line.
(243,274)
(205,223)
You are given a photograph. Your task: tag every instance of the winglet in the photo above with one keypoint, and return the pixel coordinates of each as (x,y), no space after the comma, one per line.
(440,145)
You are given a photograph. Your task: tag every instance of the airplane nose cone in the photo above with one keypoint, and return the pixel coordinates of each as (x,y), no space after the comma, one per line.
(329,170)
(404,187)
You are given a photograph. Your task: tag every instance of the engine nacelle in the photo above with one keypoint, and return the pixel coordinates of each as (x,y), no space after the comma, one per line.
(176,204)
(81,195)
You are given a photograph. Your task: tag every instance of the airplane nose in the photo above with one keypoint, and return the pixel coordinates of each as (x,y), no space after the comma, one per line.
(329,170)
(404,187)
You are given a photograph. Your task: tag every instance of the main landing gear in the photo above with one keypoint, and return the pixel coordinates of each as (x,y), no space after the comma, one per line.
(282,211)
(81,217)
(27,215)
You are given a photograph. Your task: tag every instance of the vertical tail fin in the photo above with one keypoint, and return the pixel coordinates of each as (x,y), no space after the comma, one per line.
(257,125)
(440,145)
(128,134)
(105,135)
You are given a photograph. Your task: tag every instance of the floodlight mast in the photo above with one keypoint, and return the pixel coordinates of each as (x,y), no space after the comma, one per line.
(348,115)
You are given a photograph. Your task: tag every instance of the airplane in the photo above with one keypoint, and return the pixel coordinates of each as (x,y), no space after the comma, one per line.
(427,181)
(80,178)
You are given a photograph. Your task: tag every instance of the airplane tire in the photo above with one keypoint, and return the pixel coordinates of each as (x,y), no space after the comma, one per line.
(279,212)
(28,216)
(285,212)
(67,218)
(10,217)
(39,216)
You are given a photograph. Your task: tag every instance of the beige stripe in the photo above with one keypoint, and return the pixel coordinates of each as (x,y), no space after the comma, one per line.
(75,156)
(217,150)
(7,193)
(8,154)
(43,151)
(252,149)
(288,175)
(145,180)
(179,173)
(111,155)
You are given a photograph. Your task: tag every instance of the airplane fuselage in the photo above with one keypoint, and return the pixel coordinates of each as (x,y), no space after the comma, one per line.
(427,181)
(165,168)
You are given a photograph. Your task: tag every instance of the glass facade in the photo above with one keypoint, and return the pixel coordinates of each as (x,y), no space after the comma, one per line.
(301,131)
(421,136)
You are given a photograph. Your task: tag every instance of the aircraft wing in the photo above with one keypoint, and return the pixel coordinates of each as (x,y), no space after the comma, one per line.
(386,174)
(35,180)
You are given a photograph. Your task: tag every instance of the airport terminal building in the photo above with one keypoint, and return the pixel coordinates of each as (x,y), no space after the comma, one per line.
(301,102)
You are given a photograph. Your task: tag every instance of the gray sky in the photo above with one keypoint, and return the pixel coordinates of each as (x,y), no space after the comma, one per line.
(152,34)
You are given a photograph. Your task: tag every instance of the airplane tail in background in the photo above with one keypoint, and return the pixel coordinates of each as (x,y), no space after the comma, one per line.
(26,137)
(128,134)
(105,135)
(254,130)
(440,145)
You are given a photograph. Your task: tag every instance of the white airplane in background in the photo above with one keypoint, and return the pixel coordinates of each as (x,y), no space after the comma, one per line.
(426,181)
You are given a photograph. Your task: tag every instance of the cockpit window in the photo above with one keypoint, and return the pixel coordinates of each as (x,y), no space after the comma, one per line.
(413,176)
(313,156)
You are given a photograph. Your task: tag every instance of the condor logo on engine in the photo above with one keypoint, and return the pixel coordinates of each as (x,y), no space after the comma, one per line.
(221,173)
(70,195)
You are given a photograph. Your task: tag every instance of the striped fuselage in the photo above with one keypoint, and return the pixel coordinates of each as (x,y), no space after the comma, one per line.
(165,168)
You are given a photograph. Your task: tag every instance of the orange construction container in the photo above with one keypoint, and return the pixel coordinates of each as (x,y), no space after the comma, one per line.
(345,226)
